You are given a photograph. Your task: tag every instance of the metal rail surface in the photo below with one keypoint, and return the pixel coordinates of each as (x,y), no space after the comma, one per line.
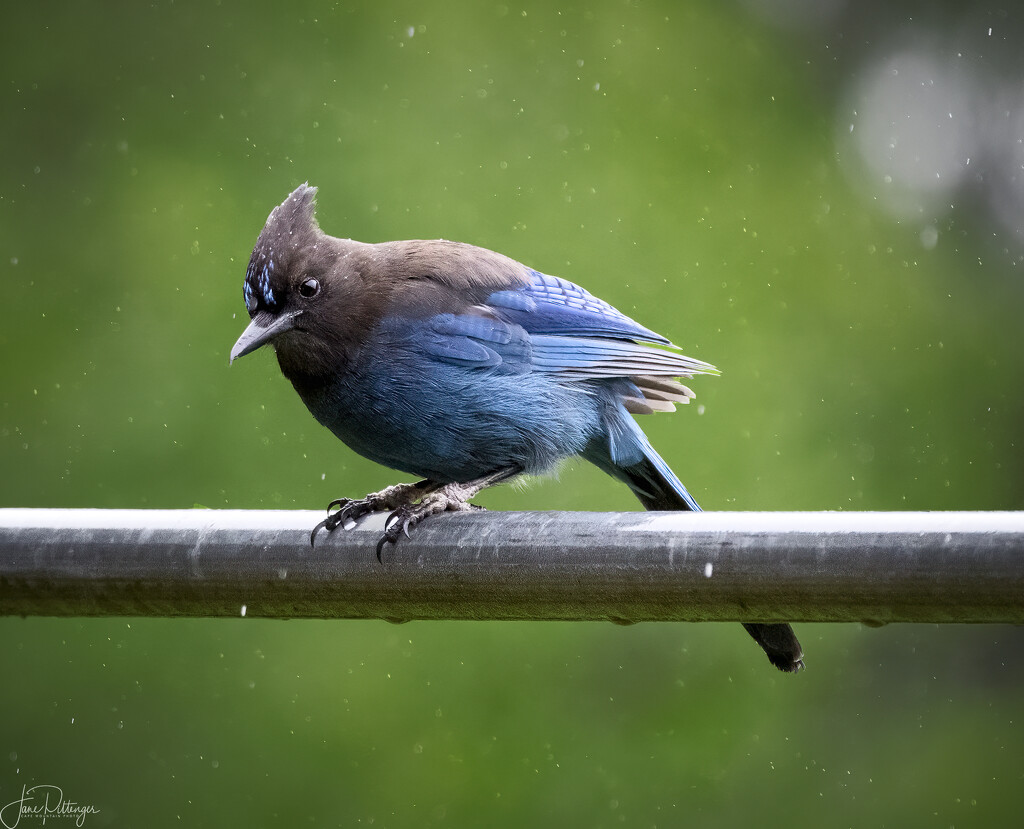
(623,567)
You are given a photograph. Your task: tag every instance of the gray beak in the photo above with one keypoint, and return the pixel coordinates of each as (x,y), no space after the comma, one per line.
(263,328)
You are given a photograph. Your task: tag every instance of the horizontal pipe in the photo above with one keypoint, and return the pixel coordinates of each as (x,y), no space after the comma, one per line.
(623,567)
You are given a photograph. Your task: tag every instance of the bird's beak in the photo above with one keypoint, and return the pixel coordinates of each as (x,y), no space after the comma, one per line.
(263,328)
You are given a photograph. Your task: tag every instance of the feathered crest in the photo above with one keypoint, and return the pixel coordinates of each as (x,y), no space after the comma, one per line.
(295,214)
(286,233)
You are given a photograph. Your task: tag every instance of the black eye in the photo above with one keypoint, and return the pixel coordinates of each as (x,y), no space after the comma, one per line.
(309,288)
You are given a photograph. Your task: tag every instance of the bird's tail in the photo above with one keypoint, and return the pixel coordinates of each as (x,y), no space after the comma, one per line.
(644,471)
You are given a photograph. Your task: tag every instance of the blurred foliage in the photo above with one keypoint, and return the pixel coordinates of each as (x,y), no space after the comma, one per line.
(678,161)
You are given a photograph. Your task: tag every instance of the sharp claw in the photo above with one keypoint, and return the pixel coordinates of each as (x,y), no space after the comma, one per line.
(380,547)
(339,517)
(316,529)
(392,519)
(414,501)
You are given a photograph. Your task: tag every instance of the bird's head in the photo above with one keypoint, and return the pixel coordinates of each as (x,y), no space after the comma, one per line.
(283,279)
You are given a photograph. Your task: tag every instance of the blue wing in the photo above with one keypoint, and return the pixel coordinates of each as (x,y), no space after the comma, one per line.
(549,305)
(581,337)
(553,326)
(468,340)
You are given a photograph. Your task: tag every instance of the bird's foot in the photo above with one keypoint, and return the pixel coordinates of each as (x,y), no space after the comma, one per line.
(348,510)
(411,503)
(448,498)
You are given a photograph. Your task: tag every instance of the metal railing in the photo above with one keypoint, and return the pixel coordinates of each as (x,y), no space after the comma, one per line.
(624,567)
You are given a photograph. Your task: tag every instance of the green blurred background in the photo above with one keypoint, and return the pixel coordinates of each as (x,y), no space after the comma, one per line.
(737,176)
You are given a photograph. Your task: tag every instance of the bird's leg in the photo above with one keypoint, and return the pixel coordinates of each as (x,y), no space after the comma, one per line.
(452,497)
(391,498)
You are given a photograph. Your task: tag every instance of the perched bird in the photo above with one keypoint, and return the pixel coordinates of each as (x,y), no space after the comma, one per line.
(463,367)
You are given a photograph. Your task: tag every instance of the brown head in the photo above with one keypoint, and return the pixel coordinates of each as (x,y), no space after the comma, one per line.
(318,298)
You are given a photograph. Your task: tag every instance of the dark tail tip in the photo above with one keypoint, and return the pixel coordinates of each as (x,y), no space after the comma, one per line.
(780,644)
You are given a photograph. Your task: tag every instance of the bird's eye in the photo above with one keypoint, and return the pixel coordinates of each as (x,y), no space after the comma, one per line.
(309,288)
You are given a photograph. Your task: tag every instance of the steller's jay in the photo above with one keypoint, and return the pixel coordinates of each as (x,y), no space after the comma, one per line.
(463,367)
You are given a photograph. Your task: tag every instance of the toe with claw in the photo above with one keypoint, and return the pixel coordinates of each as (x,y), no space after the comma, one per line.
(347,511)
(346,514)
(449,498)
(411,503)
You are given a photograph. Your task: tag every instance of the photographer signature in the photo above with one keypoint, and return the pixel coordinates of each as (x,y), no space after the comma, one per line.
(44,802)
